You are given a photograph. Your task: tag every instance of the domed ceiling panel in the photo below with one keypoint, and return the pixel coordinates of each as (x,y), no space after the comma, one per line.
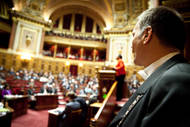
(96,8)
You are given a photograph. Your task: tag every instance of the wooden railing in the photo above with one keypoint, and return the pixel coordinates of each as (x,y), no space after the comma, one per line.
(106,112)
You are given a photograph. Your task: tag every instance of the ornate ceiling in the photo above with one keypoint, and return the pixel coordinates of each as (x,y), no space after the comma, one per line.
(100,9)
(118,15)
(110,13)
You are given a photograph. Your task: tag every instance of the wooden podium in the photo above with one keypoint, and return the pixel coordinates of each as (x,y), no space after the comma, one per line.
(106,79)
(101,113)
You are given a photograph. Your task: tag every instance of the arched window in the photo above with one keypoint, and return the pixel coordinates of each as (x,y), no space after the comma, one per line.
(67,21)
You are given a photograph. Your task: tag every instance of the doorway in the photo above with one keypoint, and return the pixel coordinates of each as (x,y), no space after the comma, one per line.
(74,70)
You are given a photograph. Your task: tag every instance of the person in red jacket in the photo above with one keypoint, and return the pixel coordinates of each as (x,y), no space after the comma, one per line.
(120,76)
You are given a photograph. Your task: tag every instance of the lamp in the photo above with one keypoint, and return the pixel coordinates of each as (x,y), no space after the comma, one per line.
(25,59)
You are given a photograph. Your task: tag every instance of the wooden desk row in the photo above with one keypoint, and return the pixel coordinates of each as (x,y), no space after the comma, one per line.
(20,105)
(46,101)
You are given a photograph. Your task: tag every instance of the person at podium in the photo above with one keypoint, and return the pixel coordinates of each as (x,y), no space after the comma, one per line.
(120,76)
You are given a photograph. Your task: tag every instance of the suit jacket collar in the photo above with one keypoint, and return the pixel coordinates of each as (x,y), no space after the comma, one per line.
(149,82)
(159,71)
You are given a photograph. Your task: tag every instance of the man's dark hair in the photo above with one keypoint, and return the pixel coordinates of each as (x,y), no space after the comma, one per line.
(71,95)
(119,56)
(167,24)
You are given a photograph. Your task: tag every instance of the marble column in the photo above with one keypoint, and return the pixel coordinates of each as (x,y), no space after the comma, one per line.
(55,51)
(94,54)
(60,25)
(94,28)
(81,53)
(72,23)
(83,24)
(13,32)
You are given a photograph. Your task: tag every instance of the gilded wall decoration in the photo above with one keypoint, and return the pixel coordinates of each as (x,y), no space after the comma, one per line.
(34,7)
(27,38)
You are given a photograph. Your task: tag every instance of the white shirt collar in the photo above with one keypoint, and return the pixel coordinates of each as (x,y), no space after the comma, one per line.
(152,67)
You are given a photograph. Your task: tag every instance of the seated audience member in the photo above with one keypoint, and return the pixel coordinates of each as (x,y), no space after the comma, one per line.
(6,91)
(52,89)
(17,76)
(72,103)
(84,107)
(32,100)
(94,96)
(11,71)
(22,91)
(45,89)
(31,82)
(31,90)
(75,103)
(1,68)
(2,83)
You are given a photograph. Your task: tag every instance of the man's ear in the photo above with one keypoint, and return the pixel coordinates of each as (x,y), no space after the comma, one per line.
(147,35)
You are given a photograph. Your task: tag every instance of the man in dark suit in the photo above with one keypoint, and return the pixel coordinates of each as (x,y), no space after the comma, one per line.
(45,89)
(72,104)
(52,89)
(162,100)
(84,108)
(75,103)
(31,90)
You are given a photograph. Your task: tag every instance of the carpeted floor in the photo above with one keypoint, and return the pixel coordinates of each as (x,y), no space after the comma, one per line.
(33,118)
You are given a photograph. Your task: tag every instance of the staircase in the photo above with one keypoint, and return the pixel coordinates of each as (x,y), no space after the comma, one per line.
(61,99)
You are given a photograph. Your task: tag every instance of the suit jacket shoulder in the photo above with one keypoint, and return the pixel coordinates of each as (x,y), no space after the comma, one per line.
(74,105)
(161,100)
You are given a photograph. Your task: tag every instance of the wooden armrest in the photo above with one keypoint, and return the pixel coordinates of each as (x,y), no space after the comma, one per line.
(96,105)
